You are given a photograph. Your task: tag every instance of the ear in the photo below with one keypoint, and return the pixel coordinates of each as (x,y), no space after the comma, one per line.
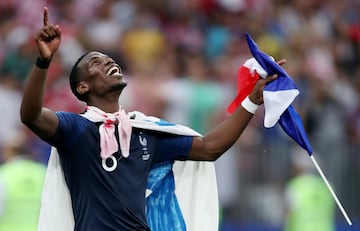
(82,88)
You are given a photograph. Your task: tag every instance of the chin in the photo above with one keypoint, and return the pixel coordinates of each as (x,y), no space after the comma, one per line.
(119,86)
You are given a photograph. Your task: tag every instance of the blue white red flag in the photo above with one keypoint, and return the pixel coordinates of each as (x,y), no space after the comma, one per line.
(278,96)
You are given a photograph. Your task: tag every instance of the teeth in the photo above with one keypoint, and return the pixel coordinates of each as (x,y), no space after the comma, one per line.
(114,71)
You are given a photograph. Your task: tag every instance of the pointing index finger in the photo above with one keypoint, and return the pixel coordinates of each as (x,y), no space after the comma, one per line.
(46,16)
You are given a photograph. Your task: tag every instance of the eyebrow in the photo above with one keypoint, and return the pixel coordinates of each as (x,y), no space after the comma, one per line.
(99,56)
(95,56)
(92,58)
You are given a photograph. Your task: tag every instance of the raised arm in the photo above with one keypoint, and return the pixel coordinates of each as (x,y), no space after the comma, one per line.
(42,121)
(221,138)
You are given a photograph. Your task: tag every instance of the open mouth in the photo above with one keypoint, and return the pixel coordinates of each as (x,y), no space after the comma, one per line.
(114,72)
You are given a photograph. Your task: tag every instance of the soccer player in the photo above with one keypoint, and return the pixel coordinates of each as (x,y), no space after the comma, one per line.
(104,163)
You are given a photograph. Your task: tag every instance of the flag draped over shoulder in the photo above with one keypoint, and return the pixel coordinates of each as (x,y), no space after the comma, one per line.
(278,94)
(175,195)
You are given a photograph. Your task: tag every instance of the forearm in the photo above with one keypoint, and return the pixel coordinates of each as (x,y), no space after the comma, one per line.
(43,122)
(222,137)
(47,40)
(32,101)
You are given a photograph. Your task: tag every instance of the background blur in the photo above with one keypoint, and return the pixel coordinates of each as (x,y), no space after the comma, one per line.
(180,58)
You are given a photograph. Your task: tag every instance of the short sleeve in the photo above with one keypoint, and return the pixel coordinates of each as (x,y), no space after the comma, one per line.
(68,129)
(173,147)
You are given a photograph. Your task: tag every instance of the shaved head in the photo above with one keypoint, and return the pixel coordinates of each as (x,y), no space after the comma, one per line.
(75,76)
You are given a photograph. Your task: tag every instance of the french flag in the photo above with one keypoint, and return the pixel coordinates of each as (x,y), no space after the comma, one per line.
(278,97)
(278,94)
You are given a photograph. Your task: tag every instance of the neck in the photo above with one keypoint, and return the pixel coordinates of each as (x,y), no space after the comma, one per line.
(105,105)
(107,102)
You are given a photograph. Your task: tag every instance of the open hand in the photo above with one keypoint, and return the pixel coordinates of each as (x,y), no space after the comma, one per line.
(48,38)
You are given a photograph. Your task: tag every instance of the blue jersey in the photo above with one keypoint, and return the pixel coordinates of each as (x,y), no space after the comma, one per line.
(110,195)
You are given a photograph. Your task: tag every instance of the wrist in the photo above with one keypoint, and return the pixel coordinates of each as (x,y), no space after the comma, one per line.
(42,63)
(249,106)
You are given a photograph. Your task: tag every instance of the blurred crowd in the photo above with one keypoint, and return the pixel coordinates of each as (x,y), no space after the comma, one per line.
(180,59)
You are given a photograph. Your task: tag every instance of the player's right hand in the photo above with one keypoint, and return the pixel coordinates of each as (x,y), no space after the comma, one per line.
(48,38)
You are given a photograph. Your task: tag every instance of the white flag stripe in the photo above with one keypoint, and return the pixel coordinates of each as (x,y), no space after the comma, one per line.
(275,103)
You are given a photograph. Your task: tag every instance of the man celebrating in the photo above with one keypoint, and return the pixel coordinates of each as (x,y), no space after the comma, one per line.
(105,159)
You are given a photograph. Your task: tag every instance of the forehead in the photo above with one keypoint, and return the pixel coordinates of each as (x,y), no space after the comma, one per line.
(91,55)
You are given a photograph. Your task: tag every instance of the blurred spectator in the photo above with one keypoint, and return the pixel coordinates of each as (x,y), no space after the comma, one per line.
(21,181)
(18,60)
(195,96)
(310,205)
(10,98)
(144,42)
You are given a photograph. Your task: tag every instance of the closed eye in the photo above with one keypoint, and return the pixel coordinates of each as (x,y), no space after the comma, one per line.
(95,61)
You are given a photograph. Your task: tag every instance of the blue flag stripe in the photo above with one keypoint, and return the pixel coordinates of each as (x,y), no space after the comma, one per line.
(289,121)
